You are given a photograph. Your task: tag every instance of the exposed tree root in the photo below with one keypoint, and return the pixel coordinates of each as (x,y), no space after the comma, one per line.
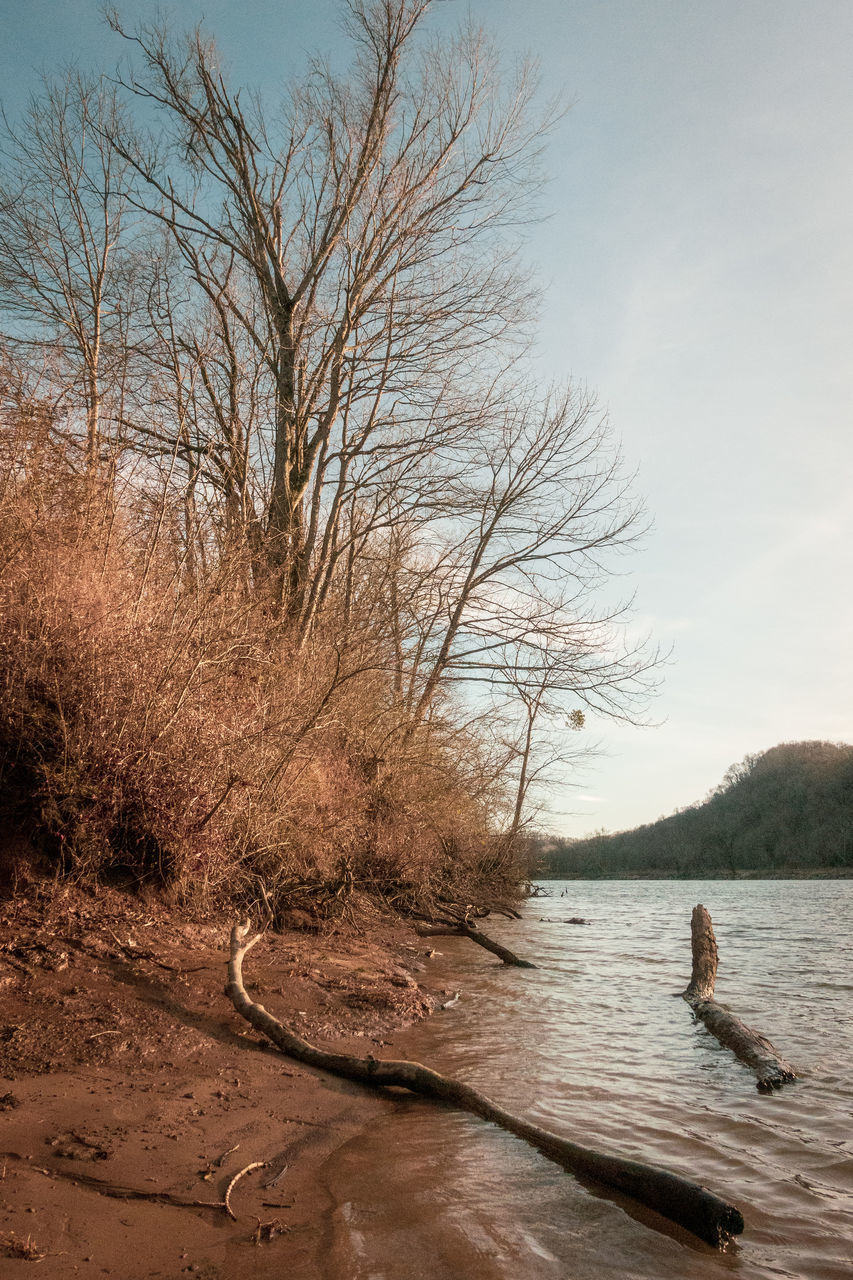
(752,1048)
(678,1199)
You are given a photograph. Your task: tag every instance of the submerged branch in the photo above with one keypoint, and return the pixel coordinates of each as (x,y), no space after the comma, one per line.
(464,929)
(678,1199)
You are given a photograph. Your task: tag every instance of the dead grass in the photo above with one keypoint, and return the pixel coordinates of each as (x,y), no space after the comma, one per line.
(14,1247)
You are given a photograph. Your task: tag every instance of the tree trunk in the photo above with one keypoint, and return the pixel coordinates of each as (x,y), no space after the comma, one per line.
(748,1045)
(532,710)
(684,1202)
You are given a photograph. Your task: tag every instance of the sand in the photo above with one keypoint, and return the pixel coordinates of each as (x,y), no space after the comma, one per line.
(124,1069)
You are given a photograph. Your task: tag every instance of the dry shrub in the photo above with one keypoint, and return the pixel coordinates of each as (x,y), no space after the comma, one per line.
(160,725)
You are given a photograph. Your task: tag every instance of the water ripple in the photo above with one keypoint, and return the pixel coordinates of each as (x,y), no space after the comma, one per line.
(593,1045)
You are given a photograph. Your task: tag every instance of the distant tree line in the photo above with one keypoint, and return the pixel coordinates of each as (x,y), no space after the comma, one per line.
(786,809)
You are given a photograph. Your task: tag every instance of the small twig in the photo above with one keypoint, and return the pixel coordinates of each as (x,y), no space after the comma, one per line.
(136,952)
(125,946)
(268,1230)
(267,906)
(315,1124)
(175,968)
(256,1164)
(220,1160)
(233,781)
(217,1163)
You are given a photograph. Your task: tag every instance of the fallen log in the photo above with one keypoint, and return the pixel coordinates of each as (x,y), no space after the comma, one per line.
(749,1046)
(464,929)
(676,1198)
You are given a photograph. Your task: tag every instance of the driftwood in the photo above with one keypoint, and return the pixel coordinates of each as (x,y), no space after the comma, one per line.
(676,1198)
(748,1045)
(464,929)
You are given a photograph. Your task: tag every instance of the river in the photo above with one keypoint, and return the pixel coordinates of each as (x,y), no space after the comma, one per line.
(595,1045)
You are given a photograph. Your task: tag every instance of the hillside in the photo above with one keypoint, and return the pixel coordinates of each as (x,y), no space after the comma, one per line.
(789,809)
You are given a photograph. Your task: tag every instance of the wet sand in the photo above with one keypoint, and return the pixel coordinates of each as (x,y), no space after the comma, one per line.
(122,1060)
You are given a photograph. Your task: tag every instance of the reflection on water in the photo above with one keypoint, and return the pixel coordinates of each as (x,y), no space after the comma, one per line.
(595,1045)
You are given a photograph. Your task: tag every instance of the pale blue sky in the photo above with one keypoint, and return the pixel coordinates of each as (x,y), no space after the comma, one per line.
(699,264)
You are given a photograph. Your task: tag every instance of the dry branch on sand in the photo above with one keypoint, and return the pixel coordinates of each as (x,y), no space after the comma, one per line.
(682,1201)
(752,1048)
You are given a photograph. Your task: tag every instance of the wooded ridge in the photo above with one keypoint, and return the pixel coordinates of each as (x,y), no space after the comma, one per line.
(789,809)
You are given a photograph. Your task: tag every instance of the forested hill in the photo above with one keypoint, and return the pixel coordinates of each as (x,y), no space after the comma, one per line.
(787,809)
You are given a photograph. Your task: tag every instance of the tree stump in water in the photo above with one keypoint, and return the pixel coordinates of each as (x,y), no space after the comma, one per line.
(749,1046)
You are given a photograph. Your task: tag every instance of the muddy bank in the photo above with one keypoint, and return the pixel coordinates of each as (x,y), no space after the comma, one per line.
(121,1060)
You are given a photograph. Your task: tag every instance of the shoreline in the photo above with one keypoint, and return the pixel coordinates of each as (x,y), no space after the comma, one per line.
(122,1060)
(786,873)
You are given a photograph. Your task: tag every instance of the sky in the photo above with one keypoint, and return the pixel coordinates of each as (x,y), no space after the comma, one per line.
(697,262)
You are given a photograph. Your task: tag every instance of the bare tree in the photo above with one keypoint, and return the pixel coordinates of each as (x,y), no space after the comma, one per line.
(536,752)
(64,280)
(349,235)
(197,399)
(516,544)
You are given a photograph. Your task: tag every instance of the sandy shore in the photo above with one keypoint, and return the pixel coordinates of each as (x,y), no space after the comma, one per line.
(125,1075)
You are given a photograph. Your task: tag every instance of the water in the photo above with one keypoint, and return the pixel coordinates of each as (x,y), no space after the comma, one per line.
(594,1045)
